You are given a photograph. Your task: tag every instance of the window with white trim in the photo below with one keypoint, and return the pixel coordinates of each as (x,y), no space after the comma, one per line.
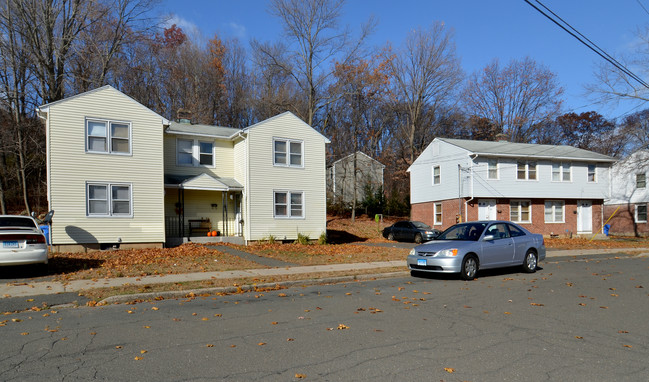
(641,213)
(492,171)
(561,172)
(437,174)
(192,152)
(110,137)
(109,199)
(288,204)
(287,152)
(592,174)
(640,181)
(526,170)
(438,213)
(520,211)
(554,211)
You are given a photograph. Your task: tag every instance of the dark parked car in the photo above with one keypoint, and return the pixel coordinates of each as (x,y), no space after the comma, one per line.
(410,231)
(467,247)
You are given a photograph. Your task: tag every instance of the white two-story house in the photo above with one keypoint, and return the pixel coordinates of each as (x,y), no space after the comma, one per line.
(119,174)
(626,209)
(553,190)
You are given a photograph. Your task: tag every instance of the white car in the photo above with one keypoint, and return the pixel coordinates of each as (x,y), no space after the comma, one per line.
(21,241)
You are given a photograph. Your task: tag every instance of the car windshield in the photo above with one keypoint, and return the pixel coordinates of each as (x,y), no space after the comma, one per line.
(465,231)
(16,222)
(421,225)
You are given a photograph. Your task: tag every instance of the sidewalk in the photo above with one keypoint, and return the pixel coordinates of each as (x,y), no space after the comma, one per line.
(35,288)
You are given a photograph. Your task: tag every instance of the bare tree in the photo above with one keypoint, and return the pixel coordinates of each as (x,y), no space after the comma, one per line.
(515,98)
(613,84)
(425,73)
(314,39)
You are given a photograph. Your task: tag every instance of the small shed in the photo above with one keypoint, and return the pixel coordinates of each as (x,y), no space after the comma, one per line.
(343,182)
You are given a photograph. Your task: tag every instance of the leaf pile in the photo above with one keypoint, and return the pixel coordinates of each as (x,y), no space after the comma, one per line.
(188,257)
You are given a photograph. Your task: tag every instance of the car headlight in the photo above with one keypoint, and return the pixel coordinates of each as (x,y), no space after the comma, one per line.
(447,253)
(412,252)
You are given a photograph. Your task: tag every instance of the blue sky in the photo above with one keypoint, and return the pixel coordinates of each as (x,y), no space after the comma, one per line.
(484,30)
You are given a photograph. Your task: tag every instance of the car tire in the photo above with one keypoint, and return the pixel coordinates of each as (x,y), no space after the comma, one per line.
(391,236)
(418,238)
(530,262)
(469,267)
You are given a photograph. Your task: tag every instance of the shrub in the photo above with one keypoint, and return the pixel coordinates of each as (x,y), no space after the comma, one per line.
(270,239)
(322,239)
(302,239)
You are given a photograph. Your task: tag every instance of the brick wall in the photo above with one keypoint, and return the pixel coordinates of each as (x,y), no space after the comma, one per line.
(622,223)
(424,212)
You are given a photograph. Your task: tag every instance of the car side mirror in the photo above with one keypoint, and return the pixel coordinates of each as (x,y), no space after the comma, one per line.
(488,238)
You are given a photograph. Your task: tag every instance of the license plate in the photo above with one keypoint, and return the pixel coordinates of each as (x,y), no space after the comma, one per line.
(421,262)
(10,244)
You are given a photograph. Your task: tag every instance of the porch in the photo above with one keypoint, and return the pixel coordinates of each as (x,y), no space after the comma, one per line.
(203,209)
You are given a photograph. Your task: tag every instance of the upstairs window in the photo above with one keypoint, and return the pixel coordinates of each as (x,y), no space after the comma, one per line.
(526,170)
(592,174)
(206,154)
(287,152)
(492,169)
(110,137)
(560,172)
(191,152)
(437,175)
(640,181)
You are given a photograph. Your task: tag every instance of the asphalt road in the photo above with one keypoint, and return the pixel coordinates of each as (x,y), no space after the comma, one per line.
(576,319)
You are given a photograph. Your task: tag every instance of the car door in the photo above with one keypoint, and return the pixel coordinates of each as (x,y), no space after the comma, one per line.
(521,243)
(399,229)
(500,250)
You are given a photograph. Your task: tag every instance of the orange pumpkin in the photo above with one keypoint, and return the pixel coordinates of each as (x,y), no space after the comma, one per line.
(209,233)
(214,233)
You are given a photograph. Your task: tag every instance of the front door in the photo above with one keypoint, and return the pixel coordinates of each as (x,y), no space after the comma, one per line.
(584,216)
(487,209)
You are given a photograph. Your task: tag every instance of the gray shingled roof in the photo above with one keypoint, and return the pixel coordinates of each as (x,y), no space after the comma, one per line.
(522,150)
(202,130)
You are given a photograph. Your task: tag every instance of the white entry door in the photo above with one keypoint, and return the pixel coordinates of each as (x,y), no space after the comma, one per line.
(487,209)
(584,216)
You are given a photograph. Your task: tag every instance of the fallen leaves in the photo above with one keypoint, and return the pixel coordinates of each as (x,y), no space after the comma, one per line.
(449,370)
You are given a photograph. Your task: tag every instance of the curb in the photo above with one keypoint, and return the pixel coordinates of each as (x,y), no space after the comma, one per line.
(245,288)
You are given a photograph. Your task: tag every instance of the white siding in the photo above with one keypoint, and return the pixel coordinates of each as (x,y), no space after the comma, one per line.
(475,182)
(447,158)
(508,186)
(264,178)
(624,188)
(70,167)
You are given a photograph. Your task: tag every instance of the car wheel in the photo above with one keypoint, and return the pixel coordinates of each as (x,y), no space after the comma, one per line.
(530,262)
(390,236)
(469,267)
(418,238)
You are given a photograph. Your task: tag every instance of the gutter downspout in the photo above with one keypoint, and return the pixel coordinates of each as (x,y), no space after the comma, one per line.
(48,167)
(466,203)
(246,190)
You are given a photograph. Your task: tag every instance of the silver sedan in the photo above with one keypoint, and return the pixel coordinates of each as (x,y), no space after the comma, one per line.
(467,247)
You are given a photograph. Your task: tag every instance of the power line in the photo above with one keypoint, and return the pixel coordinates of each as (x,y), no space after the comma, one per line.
(591,45)
(643,7)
